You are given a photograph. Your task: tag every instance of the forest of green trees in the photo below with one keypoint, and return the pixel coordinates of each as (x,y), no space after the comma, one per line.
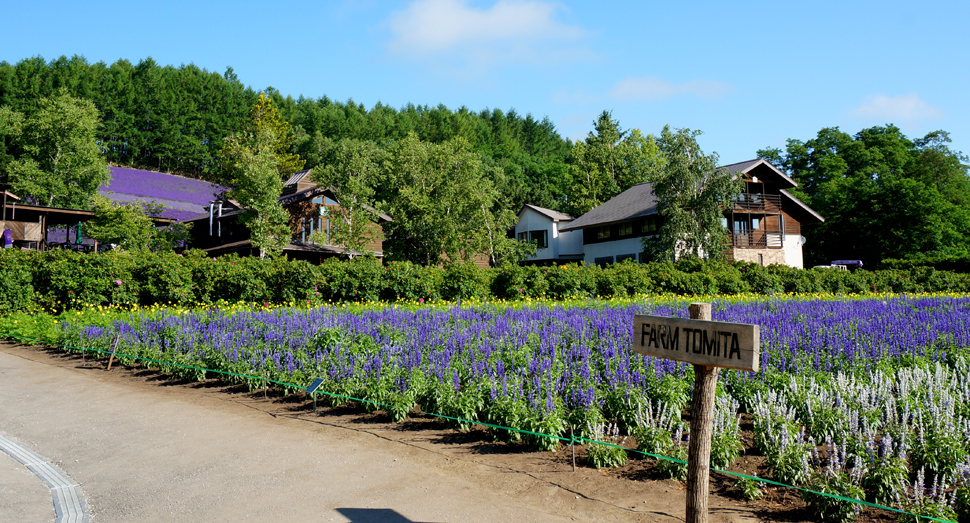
(883,195)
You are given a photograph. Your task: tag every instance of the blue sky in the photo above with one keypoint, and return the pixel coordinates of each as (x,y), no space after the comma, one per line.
(748,74)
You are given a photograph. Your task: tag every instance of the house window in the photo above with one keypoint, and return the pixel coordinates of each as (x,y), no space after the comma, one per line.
(626,229)
(540,237)
(523,236)
(603,261)
(621,257)
(603,233)
(318,199)
(649,226)
(327,200)
(643,257)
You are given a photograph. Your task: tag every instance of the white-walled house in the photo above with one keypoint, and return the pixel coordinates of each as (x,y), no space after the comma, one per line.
(543,226)
(764,221)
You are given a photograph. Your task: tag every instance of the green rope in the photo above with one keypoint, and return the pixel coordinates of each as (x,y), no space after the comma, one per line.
(571,440)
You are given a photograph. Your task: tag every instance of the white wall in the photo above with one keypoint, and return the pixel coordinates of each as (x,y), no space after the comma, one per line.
(533,221)
(614,248)
(793,251)
(570,242)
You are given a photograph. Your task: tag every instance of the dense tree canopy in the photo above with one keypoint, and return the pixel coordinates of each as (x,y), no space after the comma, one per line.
(882,194)
(609,162)
(60,163)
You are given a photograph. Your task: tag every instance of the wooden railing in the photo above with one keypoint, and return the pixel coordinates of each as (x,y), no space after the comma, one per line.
(757,202)
(758,240)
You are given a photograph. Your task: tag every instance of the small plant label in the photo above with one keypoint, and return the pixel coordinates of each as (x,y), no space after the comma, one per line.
(315,385)
(711,343)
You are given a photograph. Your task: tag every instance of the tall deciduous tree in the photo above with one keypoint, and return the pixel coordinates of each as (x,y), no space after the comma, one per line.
(441,200)
(61,164)
(353,168)
(265,115)
(252,170)
(131,226)
(691,192)
(11,125)
(882,194)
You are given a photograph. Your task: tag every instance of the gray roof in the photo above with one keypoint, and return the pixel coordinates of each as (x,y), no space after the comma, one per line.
(636,202)
(555,216)
(639,201)
(297,177)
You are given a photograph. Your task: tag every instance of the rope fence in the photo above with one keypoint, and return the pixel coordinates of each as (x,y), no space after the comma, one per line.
(572,440)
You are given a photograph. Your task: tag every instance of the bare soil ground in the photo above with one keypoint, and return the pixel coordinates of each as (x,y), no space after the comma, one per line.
(146,448)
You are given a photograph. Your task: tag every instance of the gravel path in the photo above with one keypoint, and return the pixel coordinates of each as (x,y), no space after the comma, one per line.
(144,450)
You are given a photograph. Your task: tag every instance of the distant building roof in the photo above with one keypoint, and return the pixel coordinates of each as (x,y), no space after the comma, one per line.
(555,216)
(639,201)
(290,199)
(298,177)
(245,245)
(762,169)
(636,202)
(180,197)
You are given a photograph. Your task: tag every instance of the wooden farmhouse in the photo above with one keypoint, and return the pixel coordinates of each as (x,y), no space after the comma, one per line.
(312,211)
(764,222)
(28,226)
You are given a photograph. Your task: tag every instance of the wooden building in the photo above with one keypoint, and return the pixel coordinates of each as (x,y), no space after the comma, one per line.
(312,211)
(764,221)
(30,225)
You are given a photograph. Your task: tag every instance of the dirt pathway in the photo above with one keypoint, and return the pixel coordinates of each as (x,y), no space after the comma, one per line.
(143,449)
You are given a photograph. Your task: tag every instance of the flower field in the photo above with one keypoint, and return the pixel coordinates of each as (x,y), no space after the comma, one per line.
(863,397)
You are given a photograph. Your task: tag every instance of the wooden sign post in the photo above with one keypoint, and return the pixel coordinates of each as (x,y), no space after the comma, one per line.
(708,345)
(114,349)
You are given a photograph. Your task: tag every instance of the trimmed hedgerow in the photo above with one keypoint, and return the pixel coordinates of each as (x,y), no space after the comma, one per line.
(59,280)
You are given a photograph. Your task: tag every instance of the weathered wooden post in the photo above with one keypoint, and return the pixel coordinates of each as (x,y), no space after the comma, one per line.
(114,349)
(708,345)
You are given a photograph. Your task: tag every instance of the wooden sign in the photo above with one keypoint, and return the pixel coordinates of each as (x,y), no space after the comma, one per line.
(708,343)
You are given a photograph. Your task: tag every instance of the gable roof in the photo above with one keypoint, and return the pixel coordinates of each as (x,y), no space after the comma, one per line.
(763,170)
(636,202)
(639,201)
(297,177)
(295,197)
(181,198)
(555,216)
(800,205)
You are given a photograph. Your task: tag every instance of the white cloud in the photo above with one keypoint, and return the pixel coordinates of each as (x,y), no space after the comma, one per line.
(906,108)
(509,30)
(650,88)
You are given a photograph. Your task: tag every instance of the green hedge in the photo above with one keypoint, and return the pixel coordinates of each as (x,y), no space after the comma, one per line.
(59,280)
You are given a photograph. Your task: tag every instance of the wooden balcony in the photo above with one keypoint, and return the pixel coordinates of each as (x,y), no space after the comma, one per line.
(757,240)
(757,202)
